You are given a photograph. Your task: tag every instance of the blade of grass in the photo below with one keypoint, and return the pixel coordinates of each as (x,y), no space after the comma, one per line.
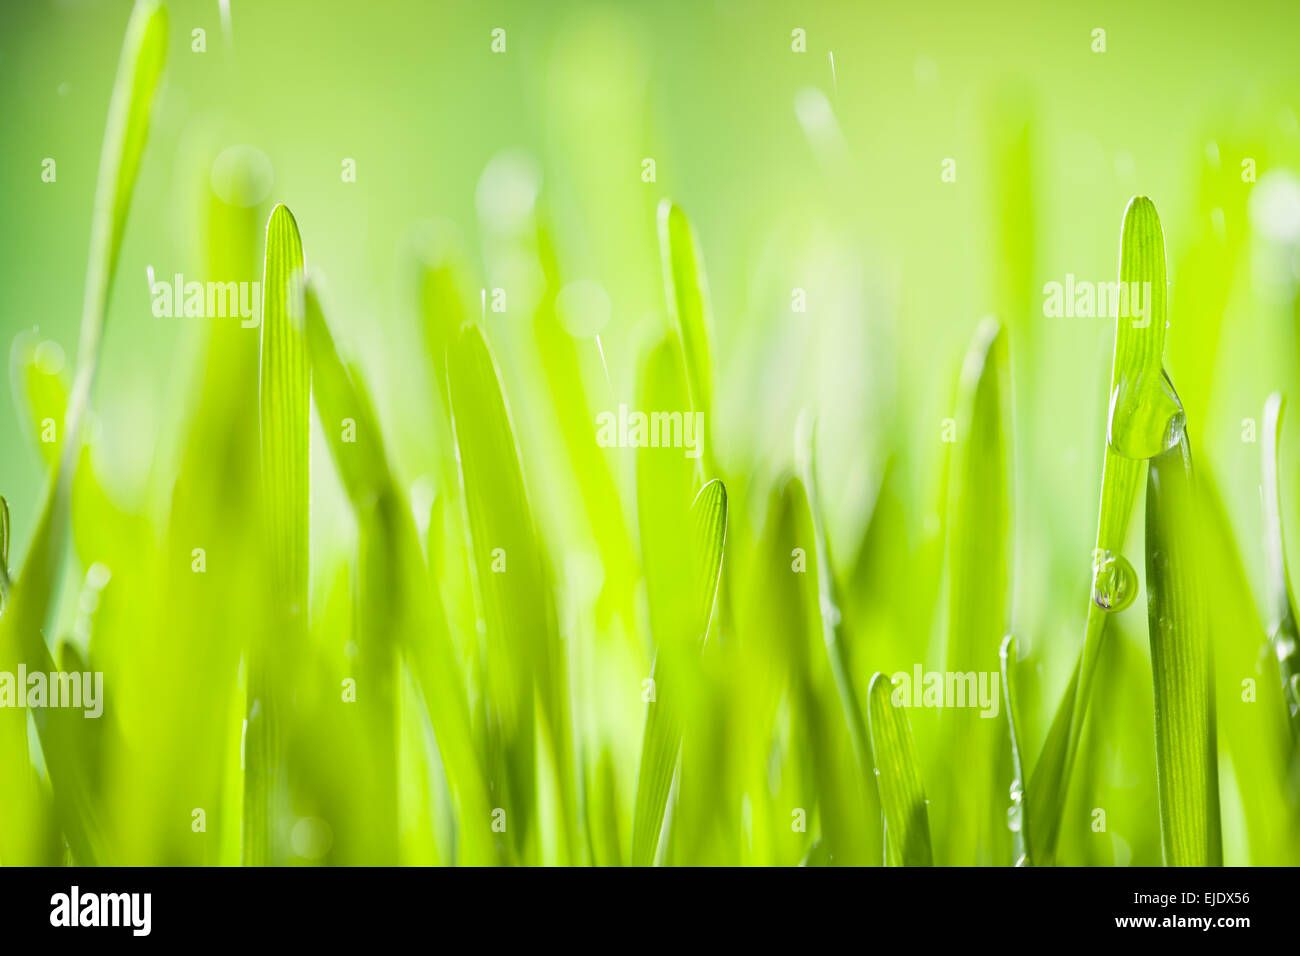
(1181,666)
(674,666)
(688,304)
(1144,419)
(1018,816)
(521,650)
(898,778)
(979,593)
(1286,635)
(144,51)
(284,430)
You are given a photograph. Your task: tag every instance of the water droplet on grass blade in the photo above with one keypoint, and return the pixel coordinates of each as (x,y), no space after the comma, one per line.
(1114,582)
(1145,419)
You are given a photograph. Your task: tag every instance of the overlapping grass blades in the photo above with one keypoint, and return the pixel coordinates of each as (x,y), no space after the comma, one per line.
(980,540)
(21,630)
(676,667)
(1144,417)
(520,647)
(1182,668)
(898,778)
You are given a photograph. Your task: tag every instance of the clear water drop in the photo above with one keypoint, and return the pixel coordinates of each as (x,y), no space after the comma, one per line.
(1146,418)
(1114,582)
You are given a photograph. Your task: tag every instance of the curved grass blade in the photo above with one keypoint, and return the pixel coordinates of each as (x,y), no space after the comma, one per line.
(1145,419)
(1181,666)
(979,591)
(898,777)
(284,396)
(144,51)
(673,676)
(1286,635)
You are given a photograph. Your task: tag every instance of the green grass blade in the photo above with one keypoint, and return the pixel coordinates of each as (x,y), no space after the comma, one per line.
(284,437)
(40,392)
(1286,634)
(898,777)
(832,633)
(688,301)
(521,652)
(1018,816)
(21,632)
(674,677)
(980,540)
(1181,666)
(1145,418)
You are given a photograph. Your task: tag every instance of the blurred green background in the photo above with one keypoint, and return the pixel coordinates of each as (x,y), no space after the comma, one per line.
(817,170)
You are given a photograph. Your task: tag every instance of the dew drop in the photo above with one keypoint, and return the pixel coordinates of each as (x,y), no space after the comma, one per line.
(1114,582)
(1145,421)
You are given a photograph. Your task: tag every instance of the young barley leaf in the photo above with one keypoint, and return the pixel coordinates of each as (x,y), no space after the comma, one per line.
(1181,666)
(898,777)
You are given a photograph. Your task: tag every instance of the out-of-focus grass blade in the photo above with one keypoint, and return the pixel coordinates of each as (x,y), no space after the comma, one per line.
(521,648)
(21,632)
(979,592)
(284,430)
(1181,666)
(688,301)
(832,634)
(1145,418)
(898,777)
(678,656)
(1286,635)
(1018,816)
(40,391)
(558,352)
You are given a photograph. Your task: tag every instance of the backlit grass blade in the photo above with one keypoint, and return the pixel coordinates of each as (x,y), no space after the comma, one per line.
(673,677)
(979,593)
(284,437)
(1286,635)
(1145,419)
(688,302)
(21,631)
(1181,666)
(521,651)
(898,778)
